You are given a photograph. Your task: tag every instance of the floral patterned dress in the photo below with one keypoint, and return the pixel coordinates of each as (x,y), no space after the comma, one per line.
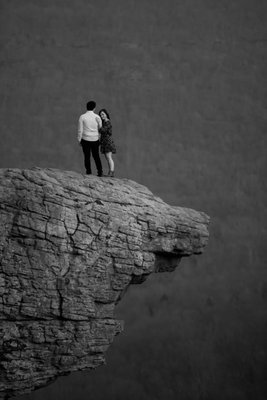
(106,142)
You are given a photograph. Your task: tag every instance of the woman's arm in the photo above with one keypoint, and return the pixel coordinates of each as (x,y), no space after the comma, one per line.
(106,128)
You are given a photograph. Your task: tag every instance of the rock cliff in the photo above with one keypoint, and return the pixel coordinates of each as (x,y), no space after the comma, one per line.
(70,245)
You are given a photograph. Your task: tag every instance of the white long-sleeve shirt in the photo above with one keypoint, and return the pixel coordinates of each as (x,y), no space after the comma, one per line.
(88,126)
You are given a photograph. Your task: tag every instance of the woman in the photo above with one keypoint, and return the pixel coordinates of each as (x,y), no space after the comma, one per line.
(107,146)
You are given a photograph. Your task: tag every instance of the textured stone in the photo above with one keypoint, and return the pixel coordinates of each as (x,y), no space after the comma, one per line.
(70,245)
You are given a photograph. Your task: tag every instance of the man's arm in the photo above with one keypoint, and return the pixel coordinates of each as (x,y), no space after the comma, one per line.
(80,129)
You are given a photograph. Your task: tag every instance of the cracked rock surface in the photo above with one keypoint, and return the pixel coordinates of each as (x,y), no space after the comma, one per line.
(70,245)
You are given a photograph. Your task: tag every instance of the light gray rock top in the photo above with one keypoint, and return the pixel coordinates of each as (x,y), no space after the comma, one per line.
(70,245)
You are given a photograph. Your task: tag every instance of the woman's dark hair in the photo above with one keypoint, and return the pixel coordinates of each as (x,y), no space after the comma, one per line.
(105,111)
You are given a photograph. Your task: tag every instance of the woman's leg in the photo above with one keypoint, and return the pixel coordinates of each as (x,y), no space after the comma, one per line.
(105,154)
(110,161)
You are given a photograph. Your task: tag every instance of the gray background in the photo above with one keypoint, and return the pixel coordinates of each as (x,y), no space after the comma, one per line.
(185,83)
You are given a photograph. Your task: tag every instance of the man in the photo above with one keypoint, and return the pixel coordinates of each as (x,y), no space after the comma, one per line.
(88,136)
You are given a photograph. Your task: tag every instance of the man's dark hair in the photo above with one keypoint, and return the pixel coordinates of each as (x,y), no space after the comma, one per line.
(91,105)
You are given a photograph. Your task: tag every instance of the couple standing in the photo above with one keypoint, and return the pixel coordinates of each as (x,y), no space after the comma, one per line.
(95,130)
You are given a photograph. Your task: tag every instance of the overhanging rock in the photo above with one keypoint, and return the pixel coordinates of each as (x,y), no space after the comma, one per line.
(70,245)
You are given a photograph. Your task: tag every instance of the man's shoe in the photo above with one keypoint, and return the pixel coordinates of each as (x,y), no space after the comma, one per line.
(100,174)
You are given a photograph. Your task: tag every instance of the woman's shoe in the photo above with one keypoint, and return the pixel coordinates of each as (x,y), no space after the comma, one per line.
(111,174)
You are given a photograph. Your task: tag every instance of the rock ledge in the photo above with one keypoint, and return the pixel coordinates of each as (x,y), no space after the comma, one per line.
(70,245)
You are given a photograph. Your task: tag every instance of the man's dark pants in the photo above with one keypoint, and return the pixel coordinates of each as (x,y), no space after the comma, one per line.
(93,147)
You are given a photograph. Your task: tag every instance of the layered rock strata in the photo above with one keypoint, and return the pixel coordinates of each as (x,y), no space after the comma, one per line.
(70,245)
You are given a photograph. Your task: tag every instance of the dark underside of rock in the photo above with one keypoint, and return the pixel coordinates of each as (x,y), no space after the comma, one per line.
(70,245)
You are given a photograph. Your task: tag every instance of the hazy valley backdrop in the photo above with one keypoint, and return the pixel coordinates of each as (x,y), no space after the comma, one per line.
(185,84)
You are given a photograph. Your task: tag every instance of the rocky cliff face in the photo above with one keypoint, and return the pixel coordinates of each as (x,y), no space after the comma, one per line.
(70,245)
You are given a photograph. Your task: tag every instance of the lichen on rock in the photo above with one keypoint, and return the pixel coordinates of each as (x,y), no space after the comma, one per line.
(70,245)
